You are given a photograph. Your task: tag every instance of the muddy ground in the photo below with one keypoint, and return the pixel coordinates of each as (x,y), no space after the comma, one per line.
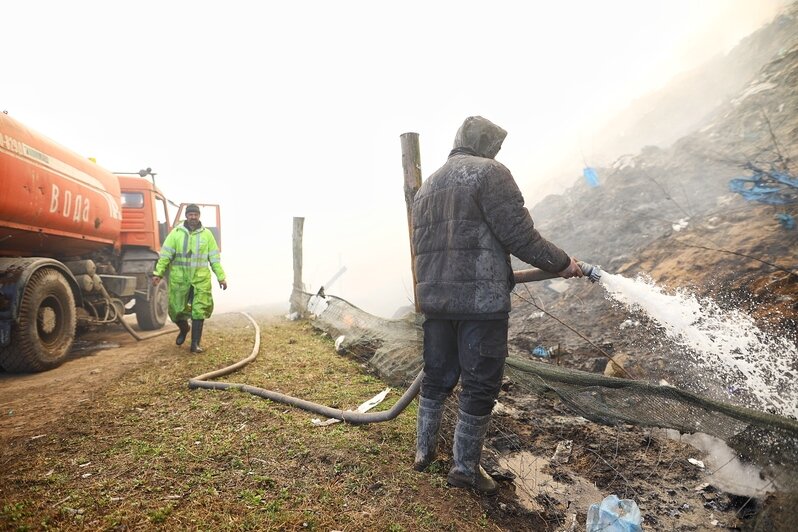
(83,412)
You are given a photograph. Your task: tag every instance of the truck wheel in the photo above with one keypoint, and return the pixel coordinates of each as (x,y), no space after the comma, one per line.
(45,328)
(152,314)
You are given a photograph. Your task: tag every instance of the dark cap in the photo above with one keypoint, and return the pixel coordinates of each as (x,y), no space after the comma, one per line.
(192,208)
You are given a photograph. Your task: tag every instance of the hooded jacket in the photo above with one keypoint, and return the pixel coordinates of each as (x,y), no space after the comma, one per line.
(468,217)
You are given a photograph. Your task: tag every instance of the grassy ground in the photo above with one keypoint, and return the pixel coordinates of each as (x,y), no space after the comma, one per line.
(146,452)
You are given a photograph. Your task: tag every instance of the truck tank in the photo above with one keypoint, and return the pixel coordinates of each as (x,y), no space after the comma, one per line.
(53,202)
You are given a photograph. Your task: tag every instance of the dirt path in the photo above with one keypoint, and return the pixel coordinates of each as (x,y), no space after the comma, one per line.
(29,402)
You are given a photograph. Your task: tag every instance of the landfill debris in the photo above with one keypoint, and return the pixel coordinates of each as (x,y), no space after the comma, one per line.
(503,409)
(591,177)
(786,221)
(768,187)
(317,304)
(364,407)
(681,224)
(563,452)
(541,352)
(338,343)
(614,515)
(697,463)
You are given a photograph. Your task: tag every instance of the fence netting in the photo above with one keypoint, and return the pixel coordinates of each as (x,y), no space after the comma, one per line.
(392,349)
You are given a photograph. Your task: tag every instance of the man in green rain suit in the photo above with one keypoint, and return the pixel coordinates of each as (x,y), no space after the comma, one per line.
(185,254)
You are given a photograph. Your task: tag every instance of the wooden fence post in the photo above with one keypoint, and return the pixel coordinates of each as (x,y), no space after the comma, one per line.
(298,286)
(411,166)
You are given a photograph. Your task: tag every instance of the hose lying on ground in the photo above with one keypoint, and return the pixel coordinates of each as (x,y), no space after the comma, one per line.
(139,337)
(349,416)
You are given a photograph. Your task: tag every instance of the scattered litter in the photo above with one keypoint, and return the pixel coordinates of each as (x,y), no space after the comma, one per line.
(768,187)
(541,352)
(95,371)
(535,315)
(786,221)
(85,475)
(317,304)
(625,324)
(702,487)
(563,452)
(38,436)
(292,316)
(338,343)
(62,501)
(614,515)
(591,177)
(365,407)
(697,463)
(573,526)
(116,499)
(503,409)
(49,473)
(681,224)
(84,465)
(173,497)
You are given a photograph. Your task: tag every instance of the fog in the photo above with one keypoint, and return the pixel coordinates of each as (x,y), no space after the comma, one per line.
(295,109)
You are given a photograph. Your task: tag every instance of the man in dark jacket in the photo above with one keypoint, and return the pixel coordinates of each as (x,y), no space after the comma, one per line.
(468,217)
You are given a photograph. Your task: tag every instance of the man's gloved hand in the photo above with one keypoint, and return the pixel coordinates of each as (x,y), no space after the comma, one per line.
(573,270)
(155,280)
(223,284)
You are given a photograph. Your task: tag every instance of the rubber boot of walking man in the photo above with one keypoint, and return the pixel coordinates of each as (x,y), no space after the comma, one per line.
(186,254)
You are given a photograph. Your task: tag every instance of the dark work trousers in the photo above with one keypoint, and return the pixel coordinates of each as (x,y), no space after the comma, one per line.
(474,350)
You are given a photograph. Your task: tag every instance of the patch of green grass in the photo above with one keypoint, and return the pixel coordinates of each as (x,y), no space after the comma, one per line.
(160,515)
(14,514)
(234,461)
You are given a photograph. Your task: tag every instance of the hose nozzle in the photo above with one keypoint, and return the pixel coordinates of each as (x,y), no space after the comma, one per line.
(593,273)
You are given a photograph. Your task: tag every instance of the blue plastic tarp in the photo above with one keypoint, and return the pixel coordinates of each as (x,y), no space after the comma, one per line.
(771,188)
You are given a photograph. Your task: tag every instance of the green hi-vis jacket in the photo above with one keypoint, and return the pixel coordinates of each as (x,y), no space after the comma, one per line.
(186,255)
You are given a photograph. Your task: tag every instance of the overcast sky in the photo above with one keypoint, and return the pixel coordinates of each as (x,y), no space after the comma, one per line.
(276,110)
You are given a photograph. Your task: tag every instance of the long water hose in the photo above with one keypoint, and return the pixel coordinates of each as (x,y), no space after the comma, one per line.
(139,337)
(349,416)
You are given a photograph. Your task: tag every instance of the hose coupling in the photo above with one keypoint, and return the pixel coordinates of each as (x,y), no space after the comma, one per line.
(593,273)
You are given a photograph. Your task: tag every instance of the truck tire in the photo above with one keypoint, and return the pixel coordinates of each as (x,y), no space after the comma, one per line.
(45,327)
(152,314)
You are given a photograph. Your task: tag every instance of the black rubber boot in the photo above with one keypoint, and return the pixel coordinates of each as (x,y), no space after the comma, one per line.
(428,424)
(196,335)
(469,435)
(184,328)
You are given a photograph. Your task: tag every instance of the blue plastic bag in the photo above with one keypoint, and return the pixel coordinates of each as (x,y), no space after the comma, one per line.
(786,221)
(541,352)
(614,515)
(591,177)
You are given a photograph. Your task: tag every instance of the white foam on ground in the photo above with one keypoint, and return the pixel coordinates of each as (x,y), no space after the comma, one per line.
(726,346)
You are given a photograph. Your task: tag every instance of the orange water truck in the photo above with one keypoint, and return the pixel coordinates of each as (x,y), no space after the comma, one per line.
(77,247)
